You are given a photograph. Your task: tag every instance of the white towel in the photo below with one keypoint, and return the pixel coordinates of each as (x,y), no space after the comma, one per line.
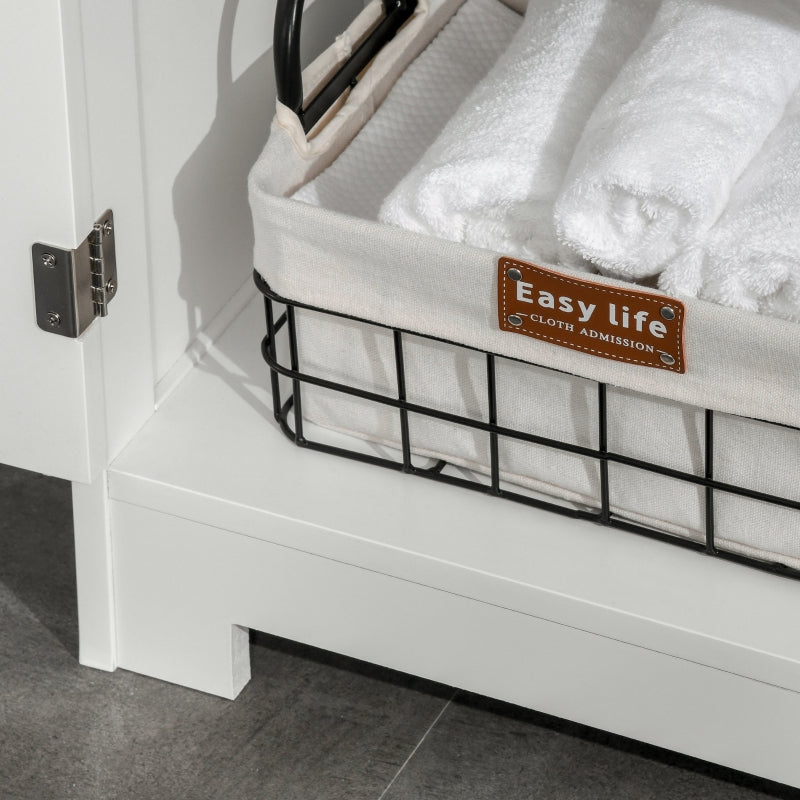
(492,176)
(662,151)
(751,258)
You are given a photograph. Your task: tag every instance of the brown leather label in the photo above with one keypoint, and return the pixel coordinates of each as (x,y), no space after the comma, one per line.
(623,324)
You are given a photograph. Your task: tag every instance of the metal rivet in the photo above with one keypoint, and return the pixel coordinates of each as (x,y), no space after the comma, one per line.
(515,320)
(53,319)
(668,313)
(111,287)
(514,274)
(667,359)
(108,228)
(49,260)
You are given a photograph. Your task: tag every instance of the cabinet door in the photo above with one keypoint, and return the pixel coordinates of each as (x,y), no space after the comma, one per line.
(156,110)
(47,394)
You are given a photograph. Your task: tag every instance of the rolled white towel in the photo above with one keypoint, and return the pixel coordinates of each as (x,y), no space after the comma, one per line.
(751,256)
(492,176)
(662,151)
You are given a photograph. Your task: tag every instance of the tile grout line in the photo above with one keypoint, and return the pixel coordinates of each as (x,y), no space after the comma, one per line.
(418,744)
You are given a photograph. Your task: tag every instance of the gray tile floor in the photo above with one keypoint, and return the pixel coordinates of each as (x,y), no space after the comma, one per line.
(309,725)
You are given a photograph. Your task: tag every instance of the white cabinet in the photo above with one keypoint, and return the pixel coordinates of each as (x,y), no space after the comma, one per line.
(50,386)
(198,520)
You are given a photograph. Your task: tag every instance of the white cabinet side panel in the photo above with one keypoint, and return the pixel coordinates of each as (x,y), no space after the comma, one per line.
(43,398)
(207,95)
(93,572)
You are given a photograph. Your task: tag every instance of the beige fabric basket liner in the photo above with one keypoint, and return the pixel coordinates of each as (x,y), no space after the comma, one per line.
(738,363)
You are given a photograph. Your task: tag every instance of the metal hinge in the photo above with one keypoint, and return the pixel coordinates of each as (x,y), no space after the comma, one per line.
(72,287)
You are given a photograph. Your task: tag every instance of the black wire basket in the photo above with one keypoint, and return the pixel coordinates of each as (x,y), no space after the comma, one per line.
(281,321)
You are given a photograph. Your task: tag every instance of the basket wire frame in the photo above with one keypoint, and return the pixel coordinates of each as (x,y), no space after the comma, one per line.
(291,408)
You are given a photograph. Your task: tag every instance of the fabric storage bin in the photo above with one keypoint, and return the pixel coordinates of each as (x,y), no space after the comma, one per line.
(393,337)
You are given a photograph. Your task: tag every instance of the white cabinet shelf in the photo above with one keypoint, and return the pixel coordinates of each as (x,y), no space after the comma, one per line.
(212,463)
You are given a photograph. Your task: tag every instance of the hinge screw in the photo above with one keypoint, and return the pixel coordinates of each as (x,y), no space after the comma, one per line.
(108,228)
(111,287)
(53,319)
(49,260)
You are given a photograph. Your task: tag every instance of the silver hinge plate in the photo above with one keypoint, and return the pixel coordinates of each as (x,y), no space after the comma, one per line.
(72,287)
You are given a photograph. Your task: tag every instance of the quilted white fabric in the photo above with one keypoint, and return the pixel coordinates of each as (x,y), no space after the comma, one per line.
(421,102)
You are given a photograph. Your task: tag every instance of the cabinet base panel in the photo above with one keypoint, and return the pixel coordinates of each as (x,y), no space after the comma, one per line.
(187,593)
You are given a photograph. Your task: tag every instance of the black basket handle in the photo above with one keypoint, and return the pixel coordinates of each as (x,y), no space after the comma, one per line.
(288,71)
